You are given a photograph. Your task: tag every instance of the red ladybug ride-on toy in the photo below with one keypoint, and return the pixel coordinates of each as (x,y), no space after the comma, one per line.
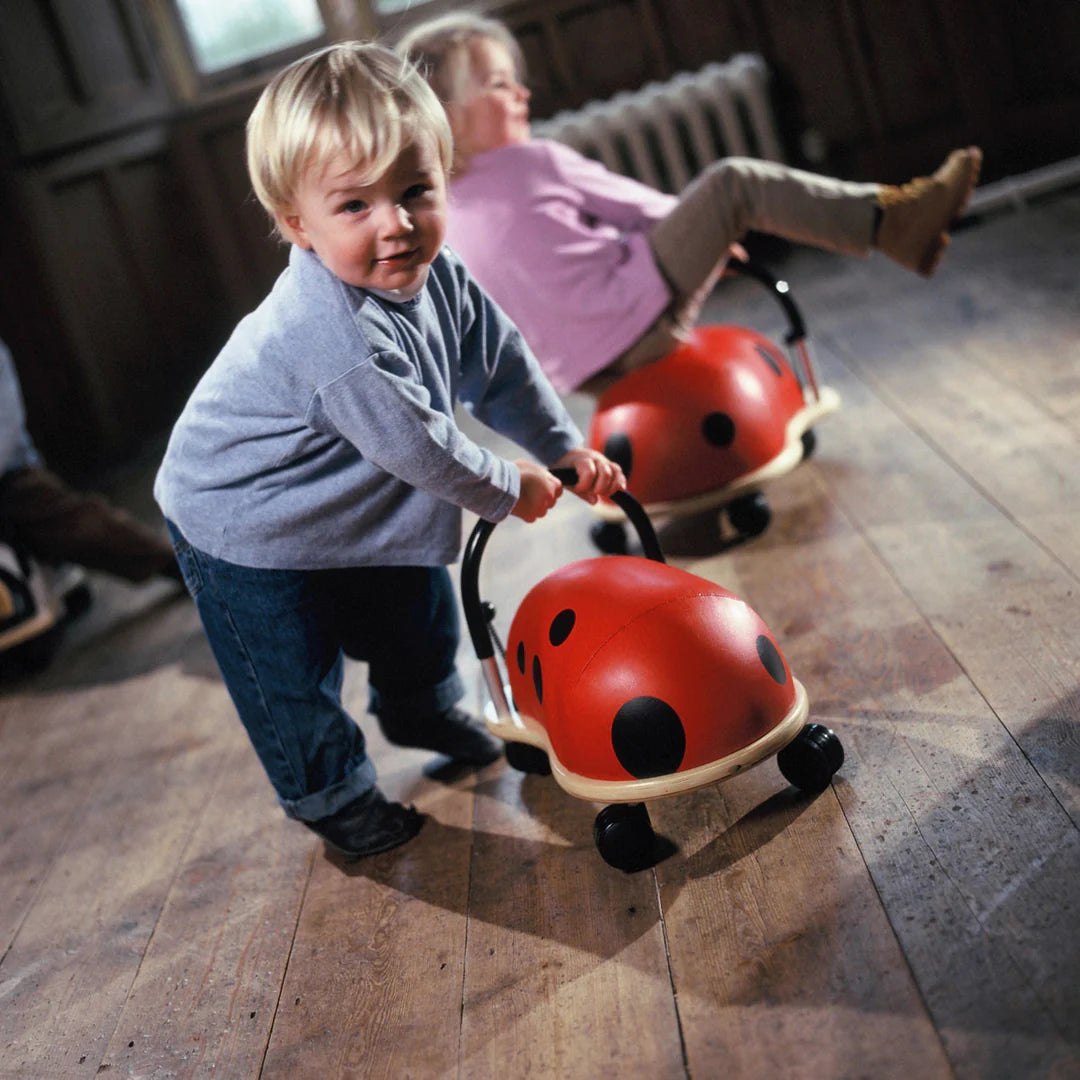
(710,423)
(629,679)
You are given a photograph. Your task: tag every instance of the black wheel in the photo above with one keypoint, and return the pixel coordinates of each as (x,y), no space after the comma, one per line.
(811,759)
(78,601)
(809,443)
(609,537)
(749,514)
(625,838)
(34,656)
(527,759)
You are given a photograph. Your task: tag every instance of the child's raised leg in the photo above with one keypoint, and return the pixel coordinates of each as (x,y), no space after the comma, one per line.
(908,224)
(915,216)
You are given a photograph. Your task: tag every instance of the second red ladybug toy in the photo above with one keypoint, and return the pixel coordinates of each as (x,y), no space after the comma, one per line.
(712,422)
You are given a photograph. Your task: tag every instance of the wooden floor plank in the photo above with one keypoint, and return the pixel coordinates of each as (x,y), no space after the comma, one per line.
(374,981)
(206,994)
(1009,445)
(930,792)
(373,987)
(49,776)
(783,960)
(566,964)
(1003,602)
(107,883)
(835,587)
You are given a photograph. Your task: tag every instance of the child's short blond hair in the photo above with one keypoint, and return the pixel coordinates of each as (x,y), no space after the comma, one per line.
(354,98)
(440,49)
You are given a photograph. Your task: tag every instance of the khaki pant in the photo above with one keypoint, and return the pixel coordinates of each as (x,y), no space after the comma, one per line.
(727,200)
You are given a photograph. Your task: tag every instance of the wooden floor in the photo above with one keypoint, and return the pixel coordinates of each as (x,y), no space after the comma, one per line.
(160,917)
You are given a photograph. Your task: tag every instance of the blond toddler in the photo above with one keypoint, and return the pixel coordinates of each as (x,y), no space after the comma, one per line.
(313,484)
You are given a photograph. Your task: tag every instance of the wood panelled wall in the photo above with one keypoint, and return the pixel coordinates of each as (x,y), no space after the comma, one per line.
(884,86)
(132,243)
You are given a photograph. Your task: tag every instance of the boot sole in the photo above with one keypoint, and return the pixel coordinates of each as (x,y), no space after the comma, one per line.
(378,848)
(932,258)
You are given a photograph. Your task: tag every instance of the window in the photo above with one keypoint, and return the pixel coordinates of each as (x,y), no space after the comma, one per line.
(392,7)
(233,38)
(211,46)
(399,13)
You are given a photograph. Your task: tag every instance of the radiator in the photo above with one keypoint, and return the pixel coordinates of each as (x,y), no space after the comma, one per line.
(665,133)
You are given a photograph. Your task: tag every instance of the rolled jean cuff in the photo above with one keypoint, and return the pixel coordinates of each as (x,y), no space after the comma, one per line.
(330,800)
(425,701)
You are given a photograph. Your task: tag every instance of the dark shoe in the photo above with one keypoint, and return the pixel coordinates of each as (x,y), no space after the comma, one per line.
(454,733)
(369,825)
(171,572)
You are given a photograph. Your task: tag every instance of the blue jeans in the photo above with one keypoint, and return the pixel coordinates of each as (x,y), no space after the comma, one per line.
(280,637)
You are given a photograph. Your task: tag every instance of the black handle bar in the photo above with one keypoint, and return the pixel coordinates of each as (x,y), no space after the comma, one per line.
(781,292)
(475,616)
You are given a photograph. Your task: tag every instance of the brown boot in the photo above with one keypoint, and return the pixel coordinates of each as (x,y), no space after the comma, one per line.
(915,217)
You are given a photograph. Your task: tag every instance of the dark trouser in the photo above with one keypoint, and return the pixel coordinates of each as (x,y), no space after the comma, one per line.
(42,516)
(279,638)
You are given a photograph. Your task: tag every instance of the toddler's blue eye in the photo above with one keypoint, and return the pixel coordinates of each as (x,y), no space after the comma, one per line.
(416,191)
(354,206)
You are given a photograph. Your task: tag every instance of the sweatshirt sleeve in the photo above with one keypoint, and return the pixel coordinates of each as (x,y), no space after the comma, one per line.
(385,412)
(618,200)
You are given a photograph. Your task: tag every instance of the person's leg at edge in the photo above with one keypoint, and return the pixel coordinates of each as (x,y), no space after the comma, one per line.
(57,524)
(403,621)
(276,645)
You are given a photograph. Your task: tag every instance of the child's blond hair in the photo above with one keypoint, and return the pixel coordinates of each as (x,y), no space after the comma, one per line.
(440,48)
(353,98)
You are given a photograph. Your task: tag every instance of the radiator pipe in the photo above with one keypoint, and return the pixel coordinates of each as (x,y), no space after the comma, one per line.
(1015,191)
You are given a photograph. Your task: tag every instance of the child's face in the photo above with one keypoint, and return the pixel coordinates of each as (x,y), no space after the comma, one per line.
(495,110)
(382,234)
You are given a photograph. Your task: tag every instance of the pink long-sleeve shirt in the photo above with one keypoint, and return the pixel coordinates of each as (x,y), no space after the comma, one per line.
(561,245)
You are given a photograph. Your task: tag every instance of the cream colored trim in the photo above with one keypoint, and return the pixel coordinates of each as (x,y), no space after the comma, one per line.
(828,401)
(46,616)
(518,728)
(32,627)
(609,791)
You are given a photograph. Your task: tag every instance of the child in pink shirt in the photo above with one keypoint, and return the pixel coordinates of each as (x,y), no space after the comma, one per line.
(603,274)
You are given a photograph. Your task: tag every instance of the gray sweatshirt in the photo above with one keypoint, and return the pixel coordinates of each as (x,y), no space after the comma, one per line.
(323,434)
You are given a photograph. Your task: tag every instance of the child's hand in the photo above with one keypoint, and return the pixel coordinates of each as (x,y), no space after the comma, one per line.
(597,475)
(539,491)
